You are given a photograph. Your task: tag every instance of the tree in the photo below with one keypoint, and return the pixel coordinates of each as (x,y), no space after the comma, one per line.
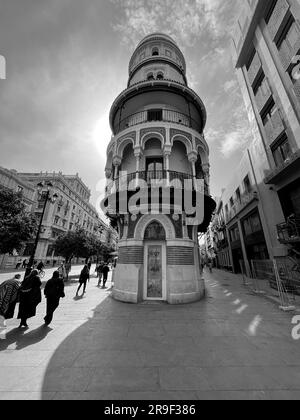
(17,226)
(70,245)
(78,244)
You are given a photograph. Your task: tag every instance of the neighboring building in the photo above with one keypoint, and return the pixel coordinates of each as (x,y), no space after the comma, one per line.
(219,238)
(241,226)
(10,180)
(266,40)
(157,125)
(70,211)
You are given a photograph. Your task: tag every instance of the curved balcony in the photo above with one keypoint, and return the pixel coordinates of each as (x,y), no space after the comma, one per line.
(158,115)
(162,86)
(176,178)
(116,203)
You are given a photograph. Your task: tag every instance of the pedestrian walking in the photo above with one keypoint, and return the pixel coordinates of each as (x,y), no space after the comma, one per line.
(210,266)
(62,272)
(54,291)
(105,271)
(40,266)
(30,297)
(99,272)
(18,265)
(84,277)
(68,266)
(24,264)
(9,294)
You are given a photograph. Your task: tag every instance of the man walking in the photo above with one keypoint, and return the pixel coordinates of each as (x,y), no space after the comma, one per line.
(105,271)
(54,291)
(99,272)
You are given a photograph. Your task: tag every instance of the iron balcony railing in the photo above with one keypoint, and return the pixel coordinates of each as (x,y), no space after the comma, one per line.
(289,232)
(157,115)
(176,178)
(241,203)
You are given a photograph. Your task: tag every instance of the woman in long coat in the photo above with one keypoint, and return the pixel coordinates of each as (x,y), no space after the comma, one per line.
(30,297)
(9,293)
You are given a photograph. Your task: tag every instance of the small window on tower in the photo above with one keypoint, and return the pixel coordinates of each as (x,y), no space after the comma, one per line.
(155,51)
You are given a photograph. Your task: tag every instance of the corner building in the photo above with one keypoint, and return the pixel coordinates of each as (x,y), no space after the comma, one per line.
(157,125)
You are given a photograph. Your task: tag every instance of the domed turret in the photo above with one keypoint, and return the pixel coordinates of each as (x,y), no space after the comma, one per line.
(157,57)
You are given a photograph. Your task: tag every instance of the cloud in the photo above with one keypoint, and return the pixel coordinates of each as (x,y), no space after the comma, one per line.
(230,85)
(185,20)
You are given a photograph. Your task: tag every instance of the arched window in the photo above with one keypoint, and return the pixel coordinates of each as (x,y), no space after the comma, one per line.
(155,232)
(160,76)
(150,76)
(155,51)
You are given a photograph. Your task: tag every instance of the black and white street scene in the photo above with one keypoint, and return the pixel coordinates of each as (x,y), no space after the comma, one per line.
(149,202)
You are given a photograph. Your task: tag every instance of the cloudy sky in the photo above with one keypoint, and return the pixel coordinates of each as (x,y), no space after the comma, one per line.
(67,60)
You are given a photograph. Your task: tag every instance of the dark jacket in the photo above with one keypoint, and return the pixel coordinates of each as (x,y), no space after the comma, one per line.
(30,296)
(84,275)
(54,289)
(105,271)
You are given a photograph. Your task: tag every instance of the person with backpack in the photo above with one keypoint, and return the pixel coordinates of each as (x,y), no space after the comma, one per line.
(54,291)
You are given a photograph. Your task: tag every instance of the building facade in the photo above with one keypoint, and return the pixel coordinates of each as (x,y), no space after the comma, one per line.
(9,179)
(72,210)
(241,226)
(157,148)
(266,46)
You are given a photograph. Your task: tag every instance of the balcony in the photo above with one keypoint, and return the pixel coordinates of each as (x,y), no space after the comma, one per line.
(263,95)
(148,177)
(163,115)
(284,170)
(288,52)
(289,232)
(274,127)
(239,205)
(277,17)
(254,69)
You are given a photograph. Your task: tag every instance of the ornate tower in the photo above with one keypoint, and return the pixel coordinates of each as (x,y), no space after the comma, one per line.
(157,156)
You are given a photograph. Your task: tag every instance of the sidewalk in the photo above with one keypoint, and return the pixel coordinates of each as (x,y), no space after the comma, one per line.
(232,345)
(76,269)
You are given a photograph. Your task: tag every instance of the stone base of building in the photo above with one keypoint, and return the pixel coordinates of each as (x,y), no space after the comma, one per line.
(182,285)
(159,263)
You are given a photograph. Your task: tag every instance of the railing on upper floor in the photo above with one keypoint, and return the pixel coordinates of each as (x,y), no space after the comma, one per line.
(241,203)
(289,232)
(158,115)
(176,178)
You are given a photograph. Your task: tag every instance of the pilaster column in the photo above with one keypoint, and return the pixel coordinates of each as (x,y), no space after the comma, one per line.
(117,163)
(138,156)
(193,157)
(167,154)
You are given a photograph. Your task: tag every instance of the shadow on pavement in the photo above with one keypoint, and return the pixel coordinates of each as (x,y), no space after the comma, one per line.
(21,340)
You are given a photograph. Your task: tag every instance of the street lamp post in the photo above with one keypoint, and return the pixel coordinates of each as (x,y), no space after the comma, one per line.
(47,198)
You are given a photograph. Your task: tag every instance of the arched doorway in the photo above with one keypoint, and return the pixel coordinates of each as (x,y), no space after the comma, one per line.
(155,270)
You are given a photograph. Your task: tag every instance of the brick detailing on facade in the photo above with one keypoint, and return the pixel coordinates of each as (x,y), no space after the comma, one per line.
(180,255)
(131,255)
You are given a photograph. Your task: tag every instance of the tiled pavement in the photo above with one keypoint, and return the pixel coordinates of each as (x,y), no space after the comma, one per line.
(233,345)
